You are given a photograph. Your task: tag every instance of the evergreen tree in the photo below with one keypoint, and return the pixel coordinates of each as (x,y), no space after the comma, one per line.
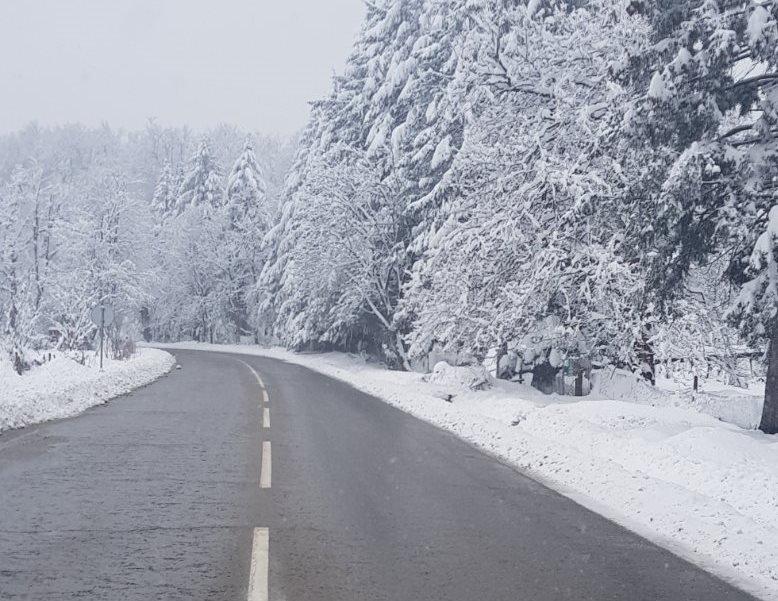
(247,222)
(246,190)
(201,186)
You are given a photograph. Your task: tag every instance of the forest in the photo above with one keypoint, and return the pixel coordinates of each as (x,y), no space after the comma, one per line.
(547,185)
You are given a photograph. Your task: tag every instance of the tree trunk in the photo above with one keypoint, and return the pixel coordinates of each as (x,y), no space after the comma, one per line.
(145,320)
(401,351)
(769,423)
(645,353)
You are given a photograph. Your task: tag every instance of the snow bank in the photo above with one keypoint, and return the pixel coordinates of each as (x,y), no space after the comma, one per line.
(466,377)
(704,488)
(63,387)
(739,406)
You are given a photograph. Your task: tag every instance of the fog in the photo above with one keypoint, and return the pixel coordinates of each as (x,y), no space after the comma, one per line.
(254,63)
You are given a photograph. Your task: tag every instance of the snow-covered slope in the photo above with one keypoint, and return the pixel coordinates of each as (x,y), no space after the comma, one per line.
(704,488)
(62,387)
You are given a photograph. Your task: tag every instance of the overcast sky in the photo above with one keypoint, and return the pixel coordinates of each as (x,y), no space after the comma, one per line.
(254,63)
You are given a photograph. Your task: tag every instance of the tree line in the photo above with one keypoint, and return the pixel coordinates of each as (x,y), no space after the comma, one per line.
(147,221)
(560,180)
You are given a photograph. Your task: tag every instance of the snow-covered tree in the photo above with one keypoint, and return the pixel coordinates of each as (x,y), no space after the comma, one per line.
(350,226)
(194,300)
(102,241)
(756,309)
(349,135)
(280,240)
(702,161)
(246,189)
(81,223)
(165,192)
(201,186)
(15,297)
(248,219)
(524,253)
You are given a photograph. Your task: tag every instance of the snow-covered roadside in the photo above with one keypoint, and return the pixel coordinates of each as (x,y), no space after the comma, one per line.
(705,489)
(62,387)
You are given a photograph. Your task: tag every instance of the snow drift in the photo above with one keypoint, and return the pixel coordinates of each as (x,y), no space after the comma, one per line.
(63,387)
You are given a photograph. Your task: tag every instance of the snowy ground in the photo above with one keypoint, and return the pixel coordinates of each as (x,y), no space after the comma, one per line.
(702,487)
(63,387)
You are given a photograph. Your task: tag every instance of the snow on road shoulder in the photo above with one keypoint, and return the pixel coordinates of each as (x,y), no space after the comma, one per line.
(63,387)
(701,487)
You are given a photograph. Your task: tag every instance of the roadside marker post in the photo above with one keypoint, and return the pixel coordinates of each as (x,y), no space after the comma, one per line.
(102,315)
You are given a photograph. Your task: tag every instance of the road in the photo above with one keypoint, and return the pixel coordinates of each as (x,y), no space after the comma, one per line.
(203,487)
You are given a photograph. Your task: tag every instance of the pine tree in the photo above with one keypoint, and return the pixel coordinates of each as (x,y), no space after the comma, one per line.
(270,292)
(247,191)
(247,222)
(201,186)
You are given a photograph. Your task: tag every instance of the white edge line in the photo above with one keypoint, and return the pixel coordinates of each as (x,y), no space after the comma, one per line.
(265,470)
(258,575)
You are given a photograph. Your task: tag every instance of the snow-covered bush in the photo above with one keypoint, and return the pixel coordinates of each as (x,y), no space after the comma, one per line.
(464,377)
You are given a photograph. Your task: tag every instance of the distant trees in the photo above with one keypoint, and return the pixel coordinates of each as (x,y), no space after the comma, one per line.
(202,185)
(212,250)
(71,238)
(14,281)
(89,216)
(102,255)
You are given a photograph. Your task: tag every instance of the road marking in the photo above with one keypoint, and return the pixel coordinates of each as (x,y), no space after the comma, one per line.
(259,380)
(264,473)
(266,418)
(256,375)
(258,576)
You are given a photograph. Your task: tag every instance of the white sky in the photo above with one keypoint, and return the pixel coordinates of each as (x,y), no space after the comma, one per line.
(254,63)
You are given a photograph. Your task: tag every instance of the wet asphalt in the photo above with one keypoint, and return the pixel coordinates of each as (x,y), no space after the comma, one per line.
(156,495)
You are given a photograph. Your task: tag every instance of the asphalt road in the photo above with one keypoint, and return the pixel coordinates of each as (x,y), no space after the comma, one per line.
(164,494)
